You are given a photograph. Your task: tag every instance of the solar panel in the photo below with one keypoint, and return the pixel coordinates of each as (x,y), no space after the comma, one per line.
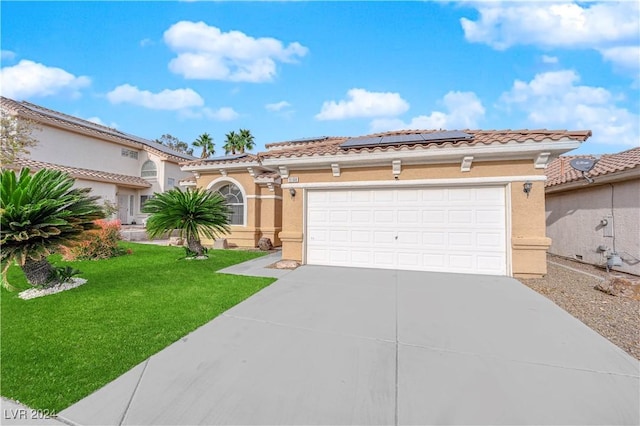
(447,135)
(389,140)
(228,157)
(360,142)
(303,140)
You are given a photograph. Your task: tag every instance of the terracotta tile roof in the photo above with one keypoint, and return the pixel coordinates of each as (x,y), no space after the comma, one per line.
(87,174)
(48,116)
(227,159)
(331,146)
(559,171)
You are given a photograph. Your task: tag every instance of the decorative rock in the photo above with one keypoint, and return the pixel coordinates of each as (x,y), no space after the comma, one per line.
(619,286)
(176,241)
(32,293)
(265,244)
(287,264)
(220,243)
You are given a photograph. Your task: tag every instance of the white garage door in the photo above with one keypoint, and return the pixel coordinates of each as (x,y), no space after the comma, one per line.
(435,229)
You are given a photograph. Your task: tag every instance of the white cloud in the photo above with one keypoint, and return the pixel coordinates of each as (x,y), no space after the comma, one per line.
(7,55)
(205,52)
(627,57)
(221,114)
(97,120)
(463,111)
(594,25)
(278,106)
(361,103)
(28,78)
(549,59)
(171,100)
(555,99)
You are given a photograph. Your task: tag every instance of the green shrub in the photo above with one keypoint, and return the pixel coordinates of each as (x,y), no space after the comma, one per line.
(63,274)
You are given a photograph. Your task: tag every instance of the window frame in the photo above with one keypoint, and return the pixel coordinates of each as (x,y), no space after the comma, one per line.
(221,182)
(142,170)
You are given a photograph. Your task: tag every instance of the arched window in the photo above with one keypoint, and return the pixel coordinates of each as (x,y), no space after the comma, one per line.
(233,195)
(149,169)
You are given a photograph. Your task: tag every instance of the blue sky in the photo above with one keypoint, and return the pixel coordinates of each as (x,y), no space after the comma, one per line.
(288,70)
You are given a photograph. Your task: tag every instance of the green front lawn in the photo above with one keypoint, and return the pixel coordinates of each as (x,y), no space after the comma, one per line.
(60,348)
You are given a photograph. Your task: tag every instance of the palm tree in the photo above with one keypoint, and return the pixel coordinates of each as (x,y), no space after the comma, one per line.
(246,139)
(193,213)
(38,213)
(232,143)
(205,141)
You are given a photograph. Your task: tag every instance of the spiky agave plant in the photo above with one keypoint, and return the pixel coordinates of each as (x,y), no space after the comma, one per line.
(192,213)
(38,213)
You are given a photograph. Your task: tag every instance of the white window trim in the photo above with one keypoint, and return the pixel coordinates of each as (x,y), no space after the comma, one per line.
(150,177)
(225,180)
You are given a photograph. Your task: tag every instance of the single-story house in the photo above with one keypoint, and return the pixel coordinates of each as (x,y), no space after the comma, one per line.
(122,169)
(593,221)
(469,201)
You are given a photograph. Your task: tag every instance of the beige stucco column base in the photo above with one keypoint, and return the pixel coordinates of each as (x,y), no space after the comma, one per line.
(530,256)
(291,245)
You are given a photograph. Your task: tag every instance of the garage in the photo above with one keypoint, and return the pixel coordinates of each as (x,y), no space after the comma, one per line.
(442,229)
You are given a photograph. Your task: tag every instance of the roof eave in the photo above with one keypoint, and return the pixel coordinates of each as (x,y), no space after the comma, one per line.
(214,167)
(621,176)
(498,152)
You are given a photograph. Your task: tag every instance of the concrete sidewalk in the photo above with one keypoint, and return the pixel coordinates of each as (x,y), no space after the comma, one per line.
(331,346)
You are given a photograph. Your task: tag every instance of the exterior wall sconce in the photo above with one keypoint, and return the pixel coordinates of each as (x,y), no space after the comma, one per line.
(526,188)
(292,191)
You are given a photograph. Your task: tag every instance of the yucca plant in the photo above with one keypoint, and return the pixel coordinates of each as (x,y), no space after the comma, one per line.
(192,213)
(38,213)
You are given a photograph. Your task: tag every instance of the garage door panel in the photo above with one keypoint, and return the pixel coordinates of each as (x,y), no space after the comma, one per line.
(360,236)
(383,196)
(487,240)
(461,240)
(432,229)
(460,217)
(359,217)
(433,195)
(434,217)
(383,216)
(408,217)
(436,240)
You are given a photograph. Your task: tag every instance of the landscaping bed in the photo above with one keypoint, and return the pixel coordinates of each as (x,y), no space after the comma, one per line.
(57,349)
(615,318)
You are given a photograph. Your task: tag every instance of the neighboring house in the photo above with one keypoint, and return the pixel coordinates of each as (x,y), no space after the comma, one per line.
(592,221)
(450,201)
(122,169)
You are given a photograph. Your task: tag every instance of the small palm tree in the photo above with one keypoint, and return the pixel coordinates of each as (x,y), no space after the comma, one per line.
(247,140)
(38,213)
(193,213)
(232,143)
(205,141)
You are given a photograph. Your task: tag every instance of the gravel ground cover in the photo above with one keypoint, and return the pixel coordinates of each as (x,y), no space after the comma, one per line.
(616,318)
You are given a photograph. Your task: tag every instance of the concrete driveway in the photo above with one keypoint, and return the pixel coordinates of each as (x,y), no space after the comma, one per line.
(336,346)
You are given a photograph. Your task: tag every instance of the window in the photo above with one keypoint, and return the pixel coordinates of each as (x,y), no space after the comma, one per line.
(171,182)
(129,153)
(149,169)
(143,200)
(233,195)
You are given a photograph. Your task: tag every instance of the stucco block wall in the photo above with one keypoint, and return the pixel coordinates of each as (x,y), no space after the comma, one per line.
(573,222)
(71,149)
(528,240)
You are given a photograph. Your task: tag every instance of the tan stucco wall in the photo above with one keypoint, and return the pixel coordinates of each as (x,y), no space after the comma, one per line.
(262,205)
(573,222)
(528,240)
